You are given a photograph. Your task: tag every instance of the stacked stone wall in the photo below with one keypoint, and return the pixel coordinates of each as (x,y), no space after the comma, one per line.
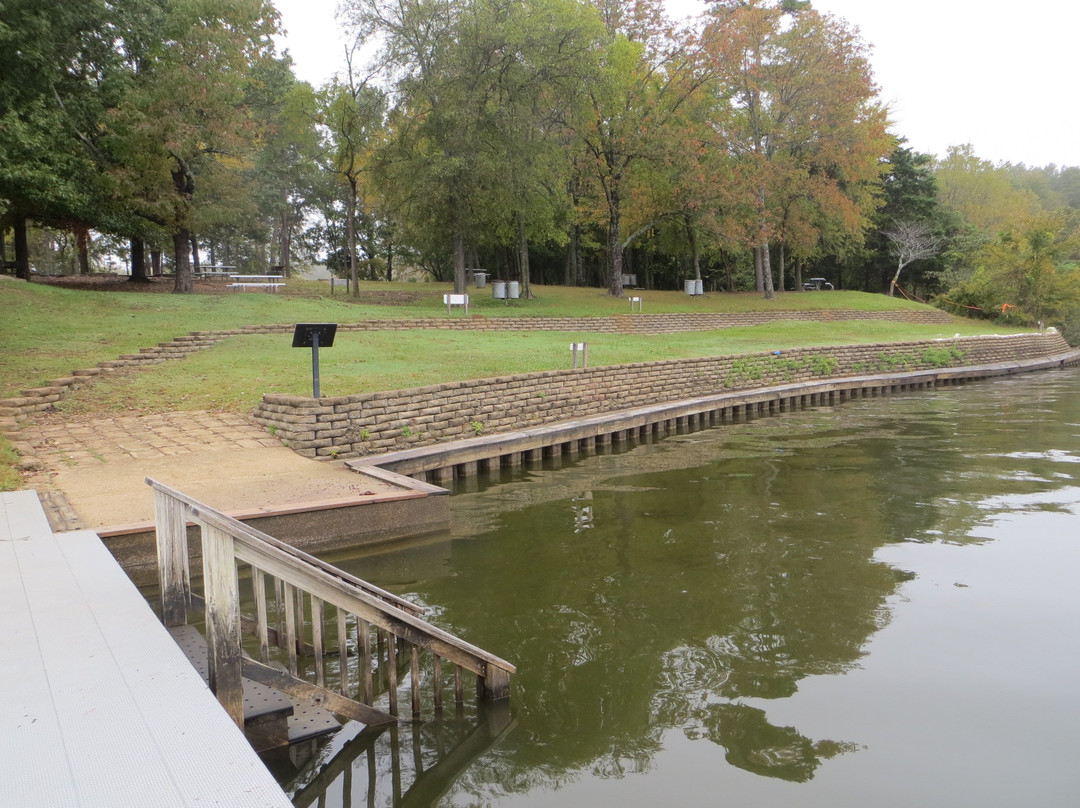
(373,423)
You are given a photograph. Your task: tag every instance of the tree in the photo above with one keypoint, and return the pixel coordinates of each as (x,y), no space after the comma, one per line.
(354,114)
(62,65)
(982,193)
(804,120)
(1029,273)
(649,72)
(911,240)
(283,172)
(476,88)
(183,117)
(909,192)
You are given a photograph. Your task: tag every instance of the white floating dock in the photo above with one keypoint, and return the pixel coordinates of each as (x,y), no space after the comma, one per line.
(98,705)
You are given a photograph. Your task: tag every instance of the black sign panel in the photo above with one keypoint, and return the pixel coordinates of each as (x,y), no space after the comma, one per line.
(303,336)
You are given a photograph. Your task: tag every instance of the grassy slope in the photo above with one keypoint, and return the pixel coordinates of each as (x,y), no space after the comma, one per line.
(47,331)
(235,374)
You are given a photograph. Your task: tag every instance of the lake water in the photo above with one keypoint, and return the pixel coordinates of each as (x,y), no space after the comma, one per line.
(872,604)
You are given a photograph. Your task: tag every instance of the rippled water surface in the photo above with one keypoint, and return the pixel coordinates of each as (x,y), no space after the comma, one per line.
(876,603)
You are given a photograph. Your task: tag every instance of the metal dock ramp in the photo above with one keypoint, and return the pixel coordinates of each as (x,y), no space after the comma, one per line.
(98,705)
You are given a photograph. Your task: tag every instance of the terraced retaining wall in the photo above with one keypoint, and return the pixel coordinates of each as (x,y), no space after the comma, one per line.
(373,423)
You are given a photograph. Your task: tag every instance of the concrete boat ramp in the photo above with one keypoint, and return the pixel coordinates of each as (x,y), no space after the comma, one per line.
(98,704)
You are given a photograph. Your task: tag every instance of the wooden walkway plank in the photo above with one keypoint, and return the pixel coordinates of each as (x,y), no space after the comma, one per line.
(98,705)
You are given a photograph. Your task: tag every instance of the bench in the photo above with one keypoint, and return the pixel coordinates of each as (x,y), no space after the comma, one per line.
(456,300)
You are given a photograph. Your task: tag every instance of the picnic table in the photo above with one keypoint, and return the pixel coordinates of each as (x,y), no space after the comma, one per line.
(270,283)
(215,272)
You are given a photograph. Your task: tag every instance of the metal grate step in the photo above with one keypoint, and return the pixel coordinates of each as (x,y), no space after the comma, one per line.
(271,718)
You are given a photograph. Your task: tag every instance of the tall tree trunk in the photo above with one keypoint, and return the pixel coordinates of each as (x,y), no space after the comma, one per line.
(184,185)
(573,257)
(82,239)
(182,262)
(523,259)
(459,262)
(763,262)
(693,245)
(782,269)
(799,275)
(766,270)
(155,262)
(195,263)
(350,229)
(22,249)
(614,245)
(275,240)
(286,244)
(389,259)
(138,262)
(895,278)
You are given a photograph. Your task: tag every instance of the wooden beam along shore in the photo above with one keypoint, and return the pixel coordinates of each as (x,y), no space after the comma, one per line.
(440,464)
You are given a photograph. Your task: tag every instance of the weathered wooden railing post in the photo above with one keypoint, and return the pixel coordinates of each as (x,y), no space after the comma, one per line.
(221,589)
(170,516)
(496,683)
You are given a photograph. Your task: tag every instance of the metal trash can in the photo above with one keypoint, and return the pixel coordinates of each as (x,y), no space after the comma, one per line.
(480,279)
(498,290)
(513,290)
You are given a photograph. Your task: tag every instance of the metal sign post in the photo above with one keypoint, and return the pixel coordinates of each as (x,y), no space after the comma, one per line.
(315,335)
(583,349)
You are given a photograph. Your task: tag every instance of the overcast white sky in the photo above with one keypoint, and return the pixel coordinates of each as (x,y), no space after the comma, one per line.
(1001,77)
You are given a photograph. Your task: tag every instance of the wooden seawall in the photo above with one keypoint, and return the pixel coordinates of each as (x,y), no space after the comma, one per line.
(443,462)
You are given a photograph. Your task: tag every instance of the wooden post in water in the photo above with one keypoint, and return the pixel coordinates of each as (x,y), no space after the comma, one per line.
(222,592)
(172,551)
(495,684)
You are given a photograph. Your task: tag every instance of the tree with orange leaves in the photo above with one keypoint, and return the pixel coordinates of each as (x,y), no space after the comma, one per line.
(803,123)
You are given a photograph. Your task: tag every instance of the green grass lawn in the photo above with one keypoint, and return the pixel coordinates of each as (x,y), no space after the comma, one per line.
(237,372)
(49,331)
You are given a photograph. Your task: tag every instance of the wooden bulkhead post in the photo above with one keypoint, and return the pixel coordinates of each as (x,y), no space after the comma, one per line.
(222,592)
(170,517)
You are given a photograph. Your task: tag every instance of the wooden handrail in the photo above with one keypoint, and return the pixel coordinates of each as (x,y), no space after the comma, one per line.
(382,594)
(331,589)
(303,585)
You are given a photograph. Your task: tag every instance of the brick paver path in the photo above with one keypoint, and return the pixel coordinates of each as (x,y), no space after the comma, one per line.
(59,441)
